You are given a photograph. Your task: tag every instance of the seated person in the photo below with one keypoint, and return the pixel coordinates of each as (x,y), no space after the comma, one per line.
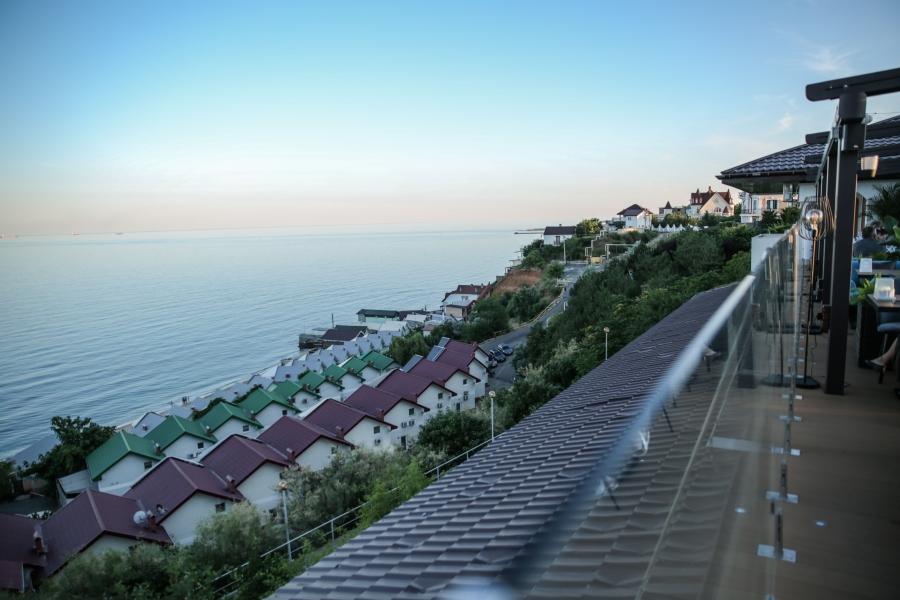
(868,245)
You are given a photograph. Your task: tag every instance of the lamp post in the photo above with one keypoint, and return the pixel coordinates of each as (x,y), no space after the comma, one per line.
(491,394)
(605,343)
(282,485)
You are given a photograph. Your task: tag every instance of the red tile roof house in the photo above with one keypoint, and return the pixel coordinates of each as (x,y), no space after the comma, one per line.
(183,494)
(457,380)
(406,415)
(303,443)
(254,467)
(469,357)
(459,302)
(432,395)
(351,425)
(20,563)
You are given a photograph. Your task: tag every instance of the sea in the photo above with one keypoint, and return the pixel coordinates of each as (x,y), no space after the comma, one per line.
(111,326)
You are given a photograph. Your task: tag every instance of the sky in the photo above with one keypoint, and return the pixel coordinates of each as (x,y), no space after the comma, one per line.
(147,116)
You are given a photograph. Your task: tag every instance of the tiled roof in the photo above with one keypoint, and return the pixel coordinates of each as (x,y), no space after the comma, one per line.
(16,549)
(438,372)
(632,211)
(120,445)
(477,519)
(173,427)
(337,418)
(355,365)
(793,160)
(79,523)
(460,360)
(239,457)
(290,435)
(342,334)
(374,312)
(467,288)
(222,412)
(377,360)
(407,385)
(559,230)
(312,381)
(336,372)
(257,400)
(284,389)
(375,402)
(172,482)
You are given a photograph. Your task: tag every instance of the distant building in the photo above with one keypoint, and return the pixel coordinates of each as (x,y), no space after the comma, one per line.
(455,379)
(636,217)
(177,436)
(459,302)
(225,419)
(711,202)
(467,356)
(668,209)
(253,467)
(121,460)
(554,235)
(421,390)
(405,415)
(266,406)
(352,425)
(303,443)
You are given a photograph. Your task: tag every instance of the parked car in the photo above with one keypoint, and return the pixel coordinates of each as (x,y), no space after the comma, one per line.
(505,349)
(498,355)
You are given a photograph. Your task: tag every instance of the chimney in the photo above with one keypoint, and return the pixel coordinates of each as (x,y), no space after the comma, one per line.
(151,520)
(230,484)
(39,543)
(340,432)
(157,447)
(208,429)
(381,414)
(292,454)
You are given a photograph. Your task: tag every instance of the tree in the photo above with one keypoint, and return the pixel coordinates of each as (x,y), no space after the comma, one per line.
(533,259)
(451,433)
(554,270)
(78,437)
(790,215)
(488,319)
(232,538)
(524,304)
(7,489)
(405,347)
(885,206)
(588,227)
(525,396)
(413,480)
(379,503)
(737,209)
(768,218)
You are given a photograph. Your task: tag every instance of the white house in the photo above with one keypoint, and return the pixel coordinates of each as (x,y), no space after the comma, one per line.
(435,397)
(303,443)
(555,235)
(224,419)
(351,425)
(711,202)
(361,368)
(345,378)
(121,460)
(180,437)
(468,357)
(405,415)
(460,302)
(146,423)
(267,406)
(254,467)
(453,378)
(636,217)
(181,494)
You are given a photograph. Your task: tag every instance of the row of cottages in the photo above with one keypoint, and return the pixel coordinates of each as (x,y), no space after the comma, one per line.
(555,235)
(459,303)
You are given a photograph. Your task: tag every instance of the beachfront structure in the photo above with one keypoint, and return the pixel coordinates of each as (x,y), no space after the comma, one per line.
(232,392)
(20,562)
(267,406)
(350,424)
(421,390)
(316,383)
(370,316)
(555,235)
(405,415)
(362,369)
(467,356)
(254,468)
(177,436)
(146,423)
(636,217)
(343,377)
(340,334)
(303,443)
(302,399)
(378,361)
(225,418)
(181,494)
(711,202)
(458,381)
(460,302)
(121,460)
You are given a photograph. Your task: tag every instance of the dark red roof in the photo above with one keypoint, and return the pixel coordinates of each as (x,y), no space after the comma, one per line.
(407,385)
(700,198)
(79,523)
(16,549)
(173,481)
(239,457)
(460,360)
(438,372)
(469,348)
(291,435)
(375,402)
(468,288)
(338,418)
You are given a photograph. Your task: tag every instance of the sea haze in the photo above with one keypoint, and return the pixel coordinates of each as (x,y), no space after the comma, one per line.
(109,326)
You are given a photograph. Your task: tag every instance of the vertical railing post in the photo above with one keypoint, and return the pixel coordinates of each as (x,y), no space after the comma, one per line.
(332,531)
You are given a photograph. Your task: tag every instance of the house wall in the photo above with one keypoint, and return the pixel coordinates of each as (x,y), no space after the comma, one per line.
(271,413)
(181,524)
(303,400)
(455,311)
(319,454)
(481,373)
(465,391)
(329,390)
(407,425)
(119,477)
(233,426)
(107,542)
(433,396)
(186,447)
(364,435)
(555,240)
(260,489)
(350,383)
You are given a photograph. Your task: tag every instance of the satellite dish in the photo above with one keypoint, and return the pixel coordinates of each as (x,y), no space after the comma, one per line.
(140,518)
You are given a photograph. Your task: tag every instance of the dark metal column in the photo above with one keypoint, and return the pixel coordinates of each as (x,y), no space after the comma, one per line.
(828,186)
(851,112)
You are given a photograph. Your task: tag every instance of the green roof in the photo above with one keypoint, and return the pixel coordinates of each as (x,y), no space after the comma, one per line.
(312,381)
(173,427)
(355,365)
(286,389)
(259,399)
(120,445)
(336,372)
(222,412)
(378,360)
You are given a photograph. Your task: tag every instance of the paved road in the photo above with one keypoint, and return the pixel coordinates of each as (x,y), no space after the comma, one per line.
(505,373)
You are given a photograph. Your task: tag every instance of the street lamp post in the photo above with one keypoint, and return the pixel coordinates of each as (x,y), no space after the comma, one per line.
(282,485)
(491,394)
(605,343)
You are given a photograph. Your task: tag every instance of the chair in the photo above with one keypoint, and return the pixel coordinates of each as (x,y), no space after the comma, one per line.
(888,324)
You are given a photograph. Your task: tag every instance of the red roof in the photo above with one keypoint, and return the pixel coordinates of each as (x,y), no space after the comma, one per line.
(469,348)
(239,457)
(468,288)
(407,385)
(438,372)
(290,435)
(461,360)
(338,418)
(173,482)
(376,402)
(16,549)
(700,198)
(79,523)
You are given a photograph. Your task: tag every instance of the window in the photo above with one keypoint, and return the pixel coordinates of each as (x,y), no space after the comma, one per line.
(412,422)
(245,428)
(377,441)
(465,381)
(465,396)
(440,405)
(220,507)
(412,411)
(457,407)
(376,430)
(403,441)
(200,445)
(148,464)
(334,449)
(440,395)
(772,204)
(284,413)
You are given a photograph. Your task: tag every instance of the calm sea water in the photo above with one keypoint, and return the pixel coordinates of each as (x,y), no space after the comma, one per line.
(110,326)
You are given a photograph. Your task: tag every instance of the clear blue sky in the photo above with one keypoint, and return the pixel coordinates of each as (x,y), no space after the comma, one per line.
(124,116)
